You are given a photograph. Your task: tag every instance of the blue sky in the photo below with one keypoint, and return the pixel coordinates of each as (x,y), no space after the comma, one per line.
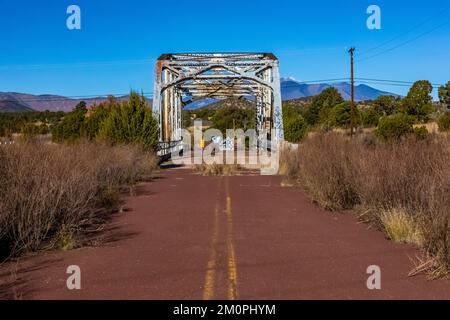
(119,40)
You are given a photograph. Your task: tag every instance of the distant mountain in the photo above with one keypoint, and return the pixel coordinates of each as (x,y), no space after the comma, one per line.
(292,89)
(37,103)
(200,104)
(19,102)
(13,106)
(228,103)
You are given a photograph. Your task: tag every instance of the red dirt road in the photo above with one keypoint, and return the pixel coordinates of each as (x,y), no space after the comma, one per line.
(186,236)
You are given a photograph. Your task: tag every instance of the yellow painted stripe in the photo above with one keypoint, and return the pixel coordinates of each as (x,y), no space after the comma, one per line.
(211,267)
(232,269)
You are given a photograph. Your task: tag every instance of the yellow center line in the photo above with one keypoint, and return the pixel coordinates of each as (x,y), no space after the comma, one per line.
(208,291)
(232,269)
(209,287)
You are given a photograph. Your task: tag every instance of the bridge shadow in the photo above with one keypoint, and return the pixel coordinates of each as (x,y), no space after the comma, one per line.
(166,166)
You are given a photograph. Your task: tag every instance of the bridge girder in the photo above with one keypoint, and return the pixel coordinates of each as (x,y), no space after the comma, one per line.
(193,76)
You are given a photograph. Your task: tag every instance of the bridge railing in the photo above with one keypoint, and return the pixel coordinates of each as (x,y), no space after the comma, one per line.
(165,149)
(7,143)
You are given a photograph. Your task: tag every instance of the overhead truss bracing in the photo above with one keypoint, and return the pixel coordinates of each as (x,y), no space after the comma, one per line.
(183,78)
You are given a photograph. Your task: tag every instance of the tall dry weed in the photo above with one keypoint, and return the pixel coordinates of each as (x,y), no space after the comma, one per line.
(378,179)
(48,189)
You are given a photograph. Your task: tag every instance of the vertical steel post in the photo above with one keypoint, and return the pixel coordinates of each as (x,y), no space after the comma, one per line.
(277,103)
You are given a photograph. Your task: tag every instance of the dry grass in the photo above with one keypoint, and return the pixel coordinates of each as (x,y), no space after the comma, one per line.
(50,194)
(401,227)
(432,127)
(217,169)
(377,179)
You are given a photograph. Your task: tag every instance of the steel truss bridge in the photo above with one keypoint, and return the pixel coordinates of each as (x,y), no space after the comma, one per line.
(181,79)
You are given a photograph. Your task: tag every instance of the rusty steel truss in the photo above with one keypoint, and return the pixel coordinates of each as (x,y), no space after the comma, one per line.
(184,78)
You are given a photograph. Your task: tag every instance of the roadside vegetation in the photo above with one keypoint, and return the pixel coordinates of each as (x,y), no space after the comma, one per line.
(226,114)
(57,194)
(389,116)
(118,122)
(295,126)
(28,123)
(401,186)
(217,169)
(396,175)
(52,195)
(114,121)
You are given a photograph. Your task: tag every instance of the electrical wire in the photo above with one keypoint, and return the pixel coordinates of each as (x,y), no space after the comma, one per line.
(42,98)
(396,81)
(78,64)
(403,43)
(149,95)
(405,33)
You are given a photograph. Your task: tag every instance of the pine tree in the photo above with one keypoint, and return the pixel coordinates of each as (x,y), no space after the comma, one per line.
(131,122)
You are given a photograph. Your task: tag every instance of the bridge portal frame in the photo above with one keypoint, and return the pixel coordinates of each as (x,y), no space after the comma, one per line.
(187,77)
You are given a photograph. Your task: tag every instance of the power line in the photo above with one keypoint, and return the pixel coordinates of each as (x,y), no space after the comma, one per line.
(42,98)
(78,64)
(383,83)
(362,80)
(404,33)
(74,98)
(404,43)
(123,95)
(390,84)
(150,94)
(396,81)
(324,80)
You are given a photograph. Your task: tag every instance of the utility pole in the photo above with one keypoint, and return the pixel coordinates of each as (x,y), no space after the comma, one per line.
(352,106)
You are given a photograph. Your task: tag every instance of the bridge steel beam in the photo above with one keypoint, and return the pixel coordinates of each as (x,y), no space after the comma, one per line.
(191,76)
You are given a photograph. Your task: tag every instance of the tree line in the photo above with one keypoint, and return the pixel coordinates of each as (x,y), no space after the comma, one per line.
(119,122)
(132,121)
(393,116)
(31,122)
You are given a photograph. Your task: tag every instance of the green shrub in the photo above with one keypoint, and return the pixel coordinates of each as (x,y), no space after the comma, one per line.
(132,122)
(338,117)
(327,99)
(126,122)
(421,133)
(327,119)
(232,117)
(444,95)
(295,126)
(386,105)
(394,127)
(97,115)
(18,122)
(343,114)
(370,117)
(295,129)
(444,122)
(418,102)
(72,126)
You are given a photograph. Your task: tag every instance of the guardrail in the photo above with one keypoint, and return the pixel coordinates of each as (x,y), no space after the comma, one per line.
(7,143)
(166,149)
